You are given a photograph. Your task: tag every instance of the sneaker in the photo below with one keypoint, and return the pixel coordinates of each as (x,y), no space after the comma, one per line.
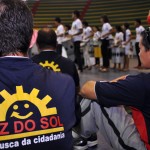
(92,140)
(83,144)
(80,144)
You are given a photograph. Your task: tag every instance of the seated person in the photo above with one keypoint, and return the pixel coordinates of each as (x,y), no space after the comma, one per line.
(118,129)
(36,105)
(49,58)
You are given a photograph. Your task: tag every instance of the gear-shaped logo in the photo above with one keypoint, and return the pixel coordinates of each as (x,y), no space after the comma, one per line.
(20,96)
(51,65)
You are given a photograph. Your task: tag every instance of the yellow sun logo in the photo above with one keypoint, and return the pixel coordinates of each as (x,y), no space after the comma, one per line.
(52,65)
(20,95)
(25,114)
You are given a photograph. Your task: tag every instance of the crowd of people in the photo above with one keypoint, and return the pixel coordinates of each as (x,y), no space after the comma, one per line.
(41,101)
(101,41)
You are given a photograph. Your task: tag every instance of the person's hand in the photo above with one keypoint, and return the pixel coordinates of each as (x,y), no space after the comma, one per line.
(99,39)
(118,42)
(120,78)
(112,46)
(71,36)
(66,33)
(125,43)
(103,36)
(131,49)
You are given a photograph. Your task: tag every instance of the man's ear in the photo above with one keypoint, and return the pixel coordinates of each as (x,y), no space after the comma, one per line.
(34,37)
(148,58)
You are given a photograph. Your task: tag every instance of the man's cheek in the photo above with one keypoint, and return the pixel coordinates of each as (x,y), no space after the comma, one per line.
(140,55)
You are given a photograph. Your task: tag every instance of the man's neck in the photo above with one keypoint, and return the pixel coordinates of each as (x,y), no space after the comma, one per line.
(17,54)
(75,19)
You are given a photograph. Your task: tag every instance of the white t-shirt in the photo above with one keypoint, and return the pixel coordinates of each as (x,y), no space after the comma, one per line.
(127,47)
(86,33)
(138,32)
(96,36)
(105,29)
(128,33)
(60,30)
(118,37)
(76,26)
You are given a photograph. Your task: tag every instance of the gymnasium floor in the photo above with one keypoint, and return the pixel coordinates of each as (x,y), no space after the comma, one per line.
(96,75)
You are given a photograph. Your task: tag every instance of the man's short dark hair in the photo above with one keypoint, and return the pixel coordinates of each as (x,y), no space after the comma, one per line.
(118,28)
(85,23)
(67,26)
(138,21)
(16,26)
(97,27)
(127,25)
(77,13)
(47,39)
(105,18)
(57,19)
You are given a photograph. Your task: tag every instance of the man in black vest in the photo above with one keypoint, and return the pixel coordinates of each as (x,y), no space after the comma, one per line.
(36,104)
(50,59)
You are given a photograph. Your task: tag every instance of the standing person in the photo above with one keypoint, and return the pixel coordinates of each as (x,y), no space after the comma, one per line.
(127,44)
(139,29)
(116,127)
(60,33)
(76,31)
(117,52)
(36,105)
(87,34)
(106,32)
(96,45)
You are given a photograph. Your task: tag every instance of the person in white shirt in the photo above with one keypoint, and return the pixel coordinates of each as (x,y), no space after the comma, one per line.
(117,50)
(127,44)
(106,32)
(139,29)
(76,32)
(60,33)
(87,34)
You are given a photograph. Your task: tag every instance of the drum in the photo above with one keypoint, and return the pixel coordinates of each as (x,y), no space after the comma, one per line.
(68,45)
